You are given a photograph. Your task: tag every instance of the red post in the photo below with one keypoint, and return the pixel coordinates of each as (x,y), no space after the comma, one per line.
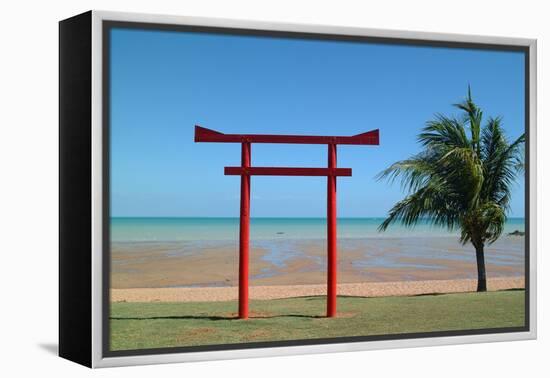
(332,262)
(244,234)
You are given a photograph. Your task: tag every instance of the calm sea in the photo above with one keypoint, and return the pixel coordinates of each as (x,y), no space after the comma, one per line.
(211,229)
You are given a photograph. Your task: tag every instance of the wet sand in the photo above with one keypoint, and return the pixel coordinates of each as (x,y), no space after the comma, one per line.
(289,263)
(364,289)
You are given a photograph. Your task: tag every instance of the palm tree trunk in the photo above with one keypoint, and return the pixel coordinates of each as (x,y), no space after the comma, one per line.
(481,278)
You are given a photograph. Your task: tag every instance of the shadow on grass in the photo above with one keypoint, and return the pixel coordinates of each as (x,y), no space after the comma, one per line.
(324,297)
(465,292)
(206,317)
(427,295)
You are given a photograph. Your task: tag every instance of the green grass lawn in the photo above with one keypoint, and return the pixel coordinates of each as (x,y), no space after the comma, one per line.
(158,325)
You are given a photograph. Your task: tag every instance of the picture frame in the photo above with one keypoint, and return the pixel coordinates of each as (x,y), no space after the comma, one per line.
(85,172)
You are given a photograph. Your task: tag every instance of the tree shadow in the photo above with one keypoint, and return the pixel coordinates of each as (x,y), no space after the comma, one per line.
(464,292)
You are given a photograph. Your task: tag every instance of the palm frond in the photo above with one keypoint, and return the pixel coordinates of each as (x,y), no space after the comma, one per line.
(412,173)
(458,180)
(433,202)
(443,133)
(500,160)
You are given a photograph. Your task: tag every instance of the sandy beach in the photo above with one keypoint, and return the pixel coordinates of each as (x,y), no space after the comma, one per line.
(303,262)
(363,289)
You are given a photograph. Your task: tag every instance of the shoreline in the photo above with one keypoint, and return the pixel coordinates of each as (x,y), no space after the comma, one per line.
(359,289)
(303,262)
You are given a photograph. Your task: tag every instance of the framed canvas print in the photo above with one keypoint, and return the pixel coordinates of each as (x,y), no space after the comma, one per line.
(232,189)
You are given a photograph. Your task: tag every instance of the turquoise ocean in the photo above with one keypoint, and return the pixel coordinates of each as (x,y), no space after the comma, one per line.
(403,253)
(142,229)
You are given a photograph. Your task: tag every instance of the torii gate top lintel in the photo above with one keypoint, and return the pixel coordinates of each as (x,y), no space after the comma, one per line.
(246,170)
(202,134)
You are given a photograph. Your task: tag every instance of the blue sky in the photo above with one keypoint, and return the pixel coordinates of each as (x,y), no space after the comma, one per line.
(163,83)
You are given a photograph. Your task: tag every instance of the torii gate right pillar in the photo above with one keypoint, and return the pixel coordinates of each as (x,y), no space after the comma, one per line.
(332,243)
(244,232)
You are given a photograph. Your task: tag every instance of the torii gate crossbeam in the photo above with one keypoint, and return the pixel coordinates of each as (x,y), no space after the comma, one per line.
(246,170)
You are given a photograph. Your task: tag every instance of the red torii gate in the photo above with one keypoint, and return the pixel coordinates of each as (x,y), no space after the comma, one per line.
(246,170)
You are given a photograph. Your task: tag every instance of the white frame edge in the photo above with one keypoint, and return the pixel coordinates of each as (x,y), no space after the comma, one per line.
(97,327)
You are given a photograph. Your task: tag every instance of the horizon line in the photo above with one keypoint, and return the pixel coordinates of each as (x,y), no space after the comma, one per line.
(261,217)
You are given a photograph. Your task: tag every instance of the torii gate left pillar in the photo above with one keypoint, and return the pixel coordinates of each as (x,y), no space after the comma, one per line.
(246,170)
(332,244)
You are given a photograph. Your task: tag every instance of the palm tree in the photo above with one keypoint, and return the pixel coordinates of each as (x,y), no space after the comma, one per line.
(460,180)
